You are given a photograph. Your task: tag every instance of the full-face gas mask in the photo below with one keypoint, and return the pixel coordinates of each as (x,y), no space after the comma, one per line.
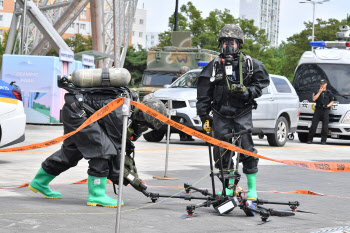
(229,50)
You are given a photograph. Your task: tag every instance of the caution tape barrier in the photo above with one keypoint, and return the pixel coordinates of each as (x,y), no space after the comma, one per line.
(320,166)
(94,117)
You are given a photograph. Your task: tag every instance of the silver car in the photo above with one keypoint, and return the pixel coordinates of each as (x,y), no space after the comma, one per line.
(276,115)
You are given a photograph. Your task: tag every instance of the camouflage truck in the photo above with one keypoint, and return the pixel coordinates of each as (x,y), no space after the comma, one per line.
(163,64)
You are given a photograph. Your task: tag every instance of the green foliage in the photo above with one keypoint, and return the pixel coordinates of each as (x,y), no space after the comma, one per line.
(136,63)
(3,45)
(281,60)
(299,43)
(164,38)
(205,31)
(79,44)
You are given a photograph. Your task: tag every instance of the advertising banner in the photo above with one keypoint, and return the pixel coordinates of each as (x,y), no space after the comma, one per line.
(37,78)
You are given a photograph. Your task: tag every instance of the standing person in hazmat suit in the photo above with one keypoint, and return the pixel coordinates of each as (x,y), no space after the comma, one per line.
(227,86)
(99,142)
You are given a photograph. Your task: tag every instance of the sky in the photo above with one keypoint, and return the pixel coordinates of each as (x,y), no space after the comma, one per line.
(292,13)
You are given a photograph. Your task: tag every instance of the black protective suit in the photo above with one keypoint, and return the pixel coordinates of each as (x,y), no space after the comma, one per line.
(231,111)
(100,142)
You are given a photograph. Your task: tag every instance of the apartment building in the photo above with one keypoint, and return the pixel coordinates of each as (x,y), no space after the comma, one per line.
(138,35)
(82,25)
(265,14)
(152,39)
(6,10)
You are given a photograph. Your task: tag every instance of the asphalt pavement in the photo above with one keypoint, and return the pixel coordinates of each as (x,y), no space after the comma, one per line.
(25,211)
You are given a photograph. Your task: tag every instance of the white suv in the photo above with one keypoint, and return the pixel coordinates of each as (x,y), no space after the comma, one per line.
(276,115)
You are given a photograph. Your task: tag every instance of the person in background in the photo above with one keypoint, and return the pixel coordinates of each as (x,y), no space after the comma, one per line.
(324,101)
(182,71)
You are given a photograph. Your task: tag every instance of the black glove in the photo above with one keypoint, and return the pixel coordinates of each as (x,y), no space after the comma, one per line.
(205,118)
(244,96)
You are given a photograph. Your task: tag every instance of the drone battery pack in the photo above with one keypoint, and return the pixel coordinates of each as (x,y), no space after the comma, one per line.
(226,206)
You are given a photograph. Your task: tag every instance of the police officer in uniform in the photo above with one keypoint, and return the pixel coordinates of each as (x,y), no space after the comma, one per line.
(227,86)
(324,100)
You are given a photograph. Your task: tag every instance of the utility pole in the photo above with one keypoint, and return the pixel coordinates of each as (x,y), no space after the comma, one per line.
(314,2)
(176,15)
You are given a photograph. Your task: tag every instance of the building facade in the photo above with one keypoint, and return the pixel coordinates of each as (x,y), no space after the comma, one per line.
(265,14)
(6,10)
(82,25)
(138,35)
(152,39)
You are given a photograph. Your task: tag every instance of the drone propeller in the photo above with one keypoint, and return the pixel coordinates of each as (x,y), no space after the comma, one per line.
(307,212)
(279,213)
(300,211)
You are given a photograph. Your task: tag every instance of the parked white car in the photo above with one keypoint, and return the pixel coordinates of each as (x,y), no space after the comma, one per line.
(12,116)
(276,115)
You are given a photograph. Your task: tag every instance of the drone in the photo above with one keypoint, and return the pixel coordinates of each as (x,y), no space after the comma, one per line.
(224,204)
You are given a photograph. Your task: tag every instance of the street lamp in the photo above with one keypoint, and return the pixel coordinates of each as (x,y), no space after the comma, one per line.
(314,2)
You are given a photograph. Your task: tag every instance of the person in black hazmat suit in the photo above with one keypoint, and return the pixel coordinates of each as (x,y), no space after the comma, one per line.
(227,86)
(100,143)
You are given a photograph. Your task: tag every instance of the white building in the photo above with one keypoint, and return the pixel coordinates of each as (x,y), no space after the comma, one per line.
(139,28)
(152,39)
(265,14)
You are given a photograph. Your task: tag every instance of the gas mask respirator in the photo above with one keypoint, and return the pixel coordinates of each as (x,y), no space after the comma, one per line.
(229,50)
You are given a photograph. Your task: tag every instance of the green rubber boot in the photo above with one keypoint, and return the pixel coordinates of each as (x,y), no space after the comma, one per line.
(251,180)
(40,184)
(97,193)
(229,190)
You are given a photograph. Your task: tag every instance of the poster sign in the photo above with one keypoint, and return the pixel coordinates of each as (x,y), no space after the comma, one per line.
(88,60)
(66,55)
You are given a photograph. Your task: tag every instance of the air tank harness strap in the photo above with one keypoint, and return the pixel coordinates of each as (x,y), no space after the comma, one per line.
(240,72)
(79,111)
(106,81)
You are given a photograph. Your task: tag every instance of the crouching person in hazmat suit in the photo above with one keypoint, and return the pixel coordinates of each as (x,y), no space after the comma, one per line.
(100,142)
(227,86)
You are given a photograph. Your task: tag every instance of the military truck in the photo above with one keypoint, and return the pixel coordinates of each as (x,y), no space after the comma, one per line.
(164,63)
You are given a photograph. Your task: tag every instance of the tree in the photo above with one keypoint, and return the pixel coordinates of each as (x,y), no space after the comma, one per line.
(3,46)
(79,44)
(205,32)
(136,63)
(299,43)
